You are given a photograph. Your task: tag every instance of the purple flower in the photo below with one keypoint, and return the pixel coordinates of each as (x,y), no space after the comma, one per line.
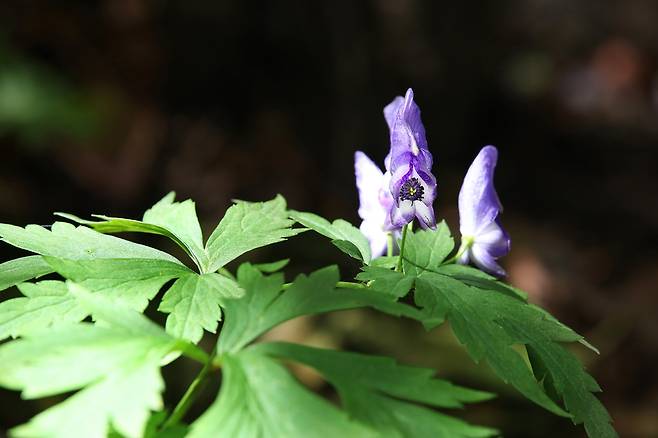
(483,238)
(410,164)
(375,202)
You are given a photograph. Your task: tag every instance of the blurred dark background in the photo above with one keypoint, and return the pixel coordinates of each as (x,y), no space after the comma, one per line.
(105,106)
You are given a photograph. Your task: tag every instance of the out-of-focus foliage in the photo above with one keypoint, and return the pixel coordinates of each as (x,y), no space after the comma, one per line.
(36,103)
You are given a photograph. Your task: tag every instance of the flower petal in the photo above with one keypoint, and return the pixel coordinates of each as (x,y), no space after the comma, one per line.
(369,181)
(402,214)
(485,261)
(401,175)
(465,258)
(390,110)
(494,239)
(425,215)
(377,237)
(478,202)
(408,140)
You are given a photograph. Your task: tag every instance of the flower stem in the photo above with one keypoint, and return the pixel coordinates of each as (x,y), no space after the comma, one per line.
(340,284)
(193,352)
(398,268)
(191,394)
(389,244)
(467,242)
(350,285)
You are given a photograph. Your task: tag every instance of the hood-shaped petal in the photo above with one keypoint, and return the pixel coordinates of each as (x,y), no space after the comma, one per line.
(410,164)
(485,261)
(479,208)
(478,202)
(408,140)
(486,247)
(391,110)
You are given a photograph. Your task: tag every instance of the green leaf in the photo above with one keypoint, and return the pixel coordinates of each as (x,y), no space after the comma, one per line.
(269,268)
(77,243)
(343,234)
(429,249)
(474,317)
(385,262)
(45,304)
(133,281)
(49,303)
(481,280)
(389,282)
(176,220)
(247,226)
(245,318)
(565,378)
(259,398)
(387,396)
(153,427)
(265,306)
(122,356)
(179,218)
(376,373)
(193,304)
(22,269)
(489,323)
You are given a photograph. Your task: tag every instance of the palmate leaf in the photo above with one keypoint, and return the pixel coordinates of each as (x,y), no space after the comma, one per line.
(425,250)
(489,317)
(259,398)
(176,220)
(193,304)
(133,282)
(380,398)
(265,303)
(343,234)
(389,282)
(385,395)
(247,226)
(489,323)
(482,280)
(67,241)
(45,304)
(116,366)
(193,301)
(483,337)
(376,373)
(22,269)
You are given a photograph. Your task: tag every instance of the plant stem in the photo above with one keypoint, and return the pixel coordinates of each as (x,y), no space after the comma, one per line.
(226,273)
(340,284)
(195,353)
(191,394)
(398,268)
(350,285)
(389,245)
(467,242)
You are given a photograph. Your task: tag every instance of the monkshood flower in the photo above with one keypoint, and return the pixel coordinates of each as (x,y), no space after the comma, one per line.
(483,238)
(410,164)
(375,202)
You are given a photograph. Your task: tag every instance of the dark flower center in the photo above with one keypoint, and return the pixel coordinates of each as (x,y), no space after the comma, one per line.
(411,190)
